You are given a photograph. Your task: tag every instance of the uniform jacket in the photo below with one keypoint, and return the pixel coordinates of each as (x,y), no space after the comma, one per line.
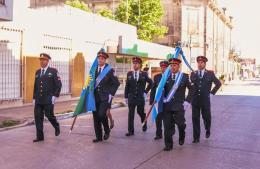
(203,87)
(157,79)
(176,103)
(46,86)
(134,90)
(108,86)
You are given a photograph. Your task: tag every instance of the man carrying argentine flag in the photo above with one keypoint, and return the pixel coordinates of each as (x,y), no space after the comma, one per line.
(174,102)
(99,89)
(106,85)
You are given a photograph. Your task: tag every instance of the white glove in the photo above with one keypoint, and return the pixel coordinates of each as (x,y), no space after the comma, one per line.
(164,100)
(145,95)
(53,99)
(186,105)
(110,98)
(211,95)
(126,101)
(33,102)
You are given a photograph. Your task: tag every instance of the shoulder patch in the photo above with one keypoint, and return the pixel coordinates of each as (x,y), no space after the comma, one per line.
(145,73)
(53,68)
(210,71)
(129,72)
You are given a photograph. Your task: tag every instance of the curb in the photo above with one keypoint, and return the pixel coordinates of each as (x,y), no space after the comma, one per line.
(26,123)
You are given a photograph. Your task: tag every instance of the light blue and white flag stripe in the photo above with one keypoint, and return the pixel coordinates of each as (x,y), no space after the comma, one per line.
(174,88)
(160,88)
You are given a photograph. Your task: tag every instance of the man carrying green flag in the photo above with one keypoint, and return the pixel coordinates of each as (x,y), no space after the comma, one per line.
(100,87)
(106,85)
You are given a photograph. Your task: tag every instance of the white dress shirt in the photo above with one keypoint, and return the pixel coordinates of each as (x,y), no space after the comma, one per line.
(45,69)
(137,74)
(202,73)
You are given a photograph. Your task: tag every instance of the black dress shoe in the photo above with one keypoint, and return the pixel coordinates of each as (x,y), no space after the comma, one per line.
(96,140)
(129,134)
(144,127)
(112,124)
(57,131)
(38,140)
(157,137)
(196,141)
(106,136)
(181,141)
(167,148)
(207,134)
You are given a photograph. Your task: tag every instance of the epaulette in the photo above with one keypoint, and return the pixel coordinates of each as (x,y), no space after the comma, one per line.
(53,68)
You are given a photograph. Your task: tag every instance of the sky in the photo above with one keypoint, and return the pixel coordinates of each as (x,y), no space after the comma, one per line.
(246,33)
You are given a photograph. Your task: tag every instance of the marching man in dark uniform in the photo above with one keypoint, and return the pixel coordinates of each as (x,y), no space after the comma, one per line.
(202,80)
(175,103)
(135,94)
(157,78)
(47,87)
(106,85)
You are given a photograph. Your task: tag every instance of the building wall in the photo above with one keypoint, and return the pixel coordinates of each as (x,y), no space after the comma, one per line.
(58,31)
(64,33)
(192,32)
(6,10)
(172,18)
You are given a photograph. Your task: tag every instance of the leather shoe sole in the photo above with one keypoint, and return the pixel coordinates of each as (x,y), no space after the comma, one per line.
(129,134)
(196,141)
(157,137)
(38,140)
(167,148)
(96,140)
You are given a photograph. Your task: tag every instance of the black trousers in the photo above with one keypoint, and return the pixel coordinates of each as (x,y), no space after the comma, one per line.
(131,115)
(170,118)
(100,118)
(206,116)
(39,111)
(158,123)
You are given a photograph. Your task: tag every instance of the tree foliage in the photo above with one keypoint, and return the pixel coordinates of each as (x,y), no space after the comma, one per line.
(148,22)
(106,13)
(78,4)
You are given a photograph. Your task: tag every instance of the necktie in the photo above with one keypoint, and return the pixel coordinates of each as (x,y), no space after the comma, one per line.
(99,71)
(42,72)
(135,76)
(173,76)
(200,74)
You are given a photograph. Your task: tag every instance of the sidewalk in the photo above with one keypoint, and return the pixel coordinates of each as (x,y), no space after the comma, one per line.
(26,112)
(249,87)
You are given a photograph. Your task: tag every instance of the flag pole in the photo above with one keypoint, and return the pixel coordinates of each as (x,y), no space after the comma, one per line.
(72,125)
(148,114)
